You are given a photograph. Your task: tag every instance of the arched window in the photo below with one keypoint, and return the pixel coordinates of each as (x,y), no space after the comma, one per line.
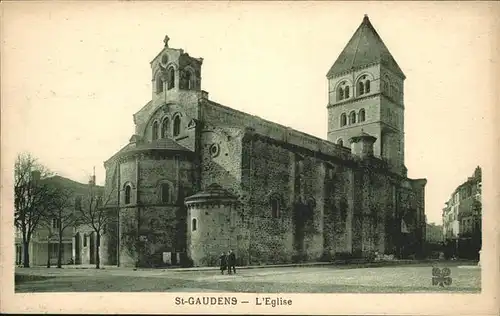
(352,117)
(361,115)
(159,84)
(189,82)
(128,193)
(177,125)
(395,93)
(363,85)
(340,142)
(386,85)
(343,91)
(340,93)
(193,226)
(154,131)
(165,193)
(361,88)
(171,78)
(275,207)
(343,119)
(164,128)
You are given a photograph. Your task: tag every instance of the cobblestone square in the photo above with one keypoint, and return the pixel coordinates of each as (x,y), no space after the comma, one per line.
(326,279)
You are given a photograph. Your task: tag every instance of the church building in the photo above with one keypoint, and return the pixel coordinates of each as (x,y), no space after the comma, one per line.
(199,178)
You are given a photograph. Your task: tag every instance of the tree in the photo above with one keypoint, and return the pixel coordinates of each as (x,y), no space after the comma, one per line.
(47,222)
(62,213)
(94,211)
(32,197)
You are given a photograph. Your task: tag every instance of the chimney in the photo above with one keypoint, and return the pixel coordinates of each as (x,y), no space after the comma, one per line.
(92,178)
(362,145)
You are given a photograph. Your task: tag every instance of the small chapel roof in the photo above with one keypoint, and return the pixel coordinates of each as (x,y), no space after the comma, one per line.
(364,48)
(213,193)
(362,135)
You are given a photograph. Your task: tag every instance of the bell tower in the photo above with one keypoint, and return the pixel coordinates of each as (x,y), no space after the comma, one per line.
(174,71)
(365,95)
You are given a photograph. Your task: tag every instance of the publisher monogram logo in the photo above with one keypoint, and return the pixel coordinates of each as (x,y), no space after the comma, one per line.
(441,277)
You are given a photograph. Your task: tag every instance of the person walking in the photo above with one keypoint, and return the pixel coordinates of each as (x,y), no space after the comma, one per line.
(231,262)
(223,262)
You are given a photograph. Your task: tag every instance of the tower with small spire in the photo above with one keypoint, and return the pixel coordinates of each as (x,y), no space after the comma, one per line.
(365,87)
(173,70)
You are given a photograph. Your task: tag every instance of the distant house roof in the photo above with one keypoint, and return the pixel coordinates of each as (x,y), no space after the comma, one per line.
(364,48)
(68,183)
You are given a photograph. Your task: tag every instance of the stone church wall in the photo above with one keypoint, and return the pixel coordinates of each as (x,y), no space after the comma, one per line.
(216,232)
(266,173)
(221,162)
(221,157)
(150,226)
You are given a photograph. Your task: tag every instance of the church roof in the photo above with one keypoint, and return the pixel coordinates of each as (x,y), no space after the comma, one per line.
(162,143)
(159,144)
(364,48)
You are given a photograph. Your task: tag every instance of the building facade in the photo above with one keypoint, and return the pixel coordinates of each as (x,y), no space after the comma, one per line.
(78,241)
(198,178)
(462,218)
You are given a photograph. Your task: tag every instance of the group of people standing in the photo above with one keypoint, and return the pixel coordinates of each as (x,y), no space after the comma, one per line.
(228,262)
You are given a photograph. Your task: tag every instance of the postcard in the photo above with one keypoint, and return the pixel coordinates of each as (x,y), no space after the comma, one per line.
(249,157)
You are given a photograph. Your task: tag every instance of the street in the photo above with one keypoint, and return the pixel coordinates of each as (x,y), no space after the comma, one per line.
(322,279)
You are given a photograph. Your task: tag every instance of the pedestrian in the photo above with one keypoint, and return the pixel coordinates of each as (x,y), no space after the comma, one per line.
(223,263)
(231,262)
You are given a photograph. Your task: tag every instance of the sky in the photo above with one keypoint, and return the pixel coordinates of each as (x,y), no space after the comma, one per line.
(75,73)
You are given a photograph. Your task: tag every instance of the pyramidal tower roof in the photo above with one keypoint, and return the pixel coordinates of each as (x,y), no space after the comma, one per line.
(364,48)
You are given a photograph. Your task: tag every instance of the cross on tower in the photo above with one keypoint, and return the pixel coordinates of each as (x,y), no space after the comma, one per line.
(165,40)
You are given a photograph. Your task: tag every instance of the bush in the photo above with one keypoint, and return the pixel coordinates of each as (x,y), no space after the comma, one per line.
(369,256)
(186,262)
(326,257)
(299,258)
(343,256)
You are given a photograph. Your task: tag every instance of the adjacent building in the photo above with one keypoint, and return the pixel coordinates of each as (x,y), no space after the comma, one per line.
(434,233)
(78,242)
(462,217)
